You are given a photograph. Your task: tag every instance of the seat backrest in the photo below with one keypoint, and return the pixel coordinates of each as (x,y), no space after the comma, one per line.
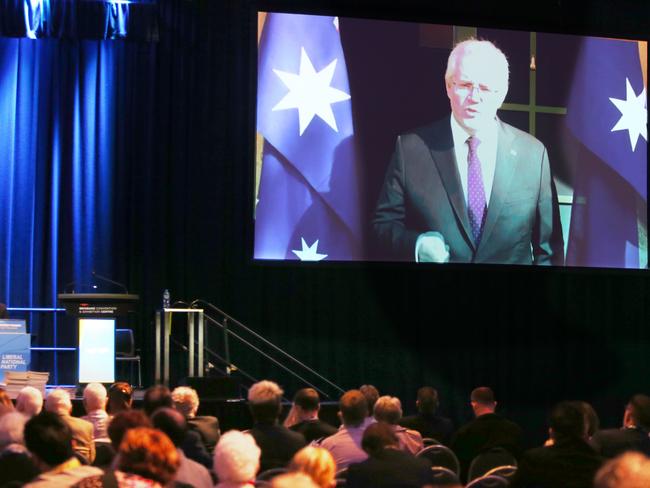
(489,482)
(488,460)
(430,441)
(443,476)
(507,472)
(440,455)
(124,342)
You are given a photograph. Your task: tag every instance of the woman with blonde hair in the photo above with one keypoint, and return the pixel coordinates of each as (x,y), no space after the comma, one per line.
(318,463)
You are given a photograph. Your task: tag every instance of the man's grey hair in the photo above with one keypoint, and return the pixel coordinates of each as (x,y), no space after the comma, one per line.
(58,402)
(29,401)
(236,457)
(482,48)
(265,391)
(12,425)
(186,400)
(388,409)
(95,396)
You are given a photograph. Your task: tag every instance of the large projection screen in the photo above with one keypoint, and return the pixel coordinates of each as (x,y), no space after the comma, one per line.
(359,155)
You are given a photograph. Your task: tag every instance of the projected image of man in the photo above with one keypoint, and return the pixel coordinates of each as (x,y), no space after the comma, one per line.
(469,187)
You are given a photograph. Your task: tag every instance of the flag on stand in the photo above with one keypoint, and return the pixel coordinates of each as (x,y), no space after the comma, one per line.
(309,197)
(607,113)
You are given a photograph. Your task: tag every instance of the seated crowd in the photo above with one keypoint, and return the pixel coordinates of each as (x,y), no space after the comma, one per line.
(167,444)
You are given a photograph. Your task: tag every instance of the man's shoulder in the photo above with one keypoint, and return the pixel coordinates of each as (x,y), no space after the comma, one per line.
(436,134)
(79,423)
(64,478)
(520,136)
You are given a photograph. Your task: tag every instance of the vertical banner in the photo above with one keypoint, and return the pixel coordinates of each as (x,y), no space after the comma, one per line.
(15,354)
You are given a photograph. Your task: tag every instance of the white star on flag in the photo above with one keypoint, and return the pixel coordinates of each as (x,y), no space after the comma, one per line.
(310,92)
(634,114)
(309,253)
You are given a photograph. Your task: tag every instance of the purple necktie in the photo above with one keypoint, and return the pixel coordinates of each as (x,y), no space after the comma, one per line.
(476,192)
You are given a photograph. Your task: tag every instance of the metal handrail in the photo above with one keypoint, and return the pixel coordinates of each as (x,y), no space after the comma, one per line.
(231,320)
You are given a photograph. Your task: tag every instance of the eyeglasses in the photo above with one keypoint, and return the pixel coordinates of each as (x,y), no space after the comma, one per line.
(466,87)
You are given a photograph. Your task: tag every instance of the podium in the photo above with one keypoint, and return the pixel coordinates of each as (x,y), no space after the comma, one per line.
(97,314)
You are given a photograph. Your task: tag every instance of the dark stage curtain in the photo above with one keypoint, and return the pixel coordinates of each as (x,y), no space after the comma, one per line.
(134,158)
(73,127)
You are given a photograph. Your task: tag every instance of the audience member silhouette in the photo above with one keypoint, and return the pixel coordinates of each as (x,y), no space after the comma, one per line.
(633,436)
(278,444)
(486,431)
(569,463)
(426,422)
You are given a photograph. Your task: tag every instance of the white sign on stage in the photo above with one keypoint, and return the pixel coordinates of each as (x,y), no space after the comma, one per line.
(96,350)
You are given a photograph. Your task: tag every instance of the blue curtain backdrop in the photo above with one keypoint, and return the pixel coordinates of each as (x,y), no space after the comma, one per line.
(71,113)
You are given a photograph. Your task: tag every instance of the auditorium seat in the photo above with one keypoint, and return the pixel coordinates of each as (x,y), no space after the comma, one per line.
(489,482)
(442,456)
(488,460)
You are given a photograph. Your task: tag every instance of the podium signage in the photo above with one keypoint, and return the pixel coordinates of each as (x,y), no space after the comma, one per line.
(12,326)
(14,353)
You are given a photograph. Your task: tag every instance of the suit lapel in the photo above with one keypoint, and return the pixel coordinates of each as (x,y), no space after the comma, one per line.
(446,162)
(505,169)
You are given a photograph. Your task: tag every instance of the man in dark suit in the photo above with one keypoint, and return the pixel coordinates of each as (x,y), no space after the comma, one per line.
(306,404)
(387,465)
(426,422)
(486,431)
(186,401)
(569,463)
(278,444)
(634,434)
(470,188)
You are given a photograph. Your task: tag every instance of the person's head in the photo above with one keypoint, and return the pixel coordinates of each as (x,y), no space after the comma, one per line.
(293,480)
(120,397)
(6,405)
(566,421)
(388,409)
(29,401)
(371,394)
(186,400)
(482,401)
(12,427)
(353,408)
(477,83)
(316,462)
(124,421)
(156,397)
(264,401)
(95,397)
(3,311)
(307,403)
(629,470)
(637,412)
(236,457)
(149,453)
(171,422)
(377,437)
(49,439)
(427,402)
(592,422)
(58,402)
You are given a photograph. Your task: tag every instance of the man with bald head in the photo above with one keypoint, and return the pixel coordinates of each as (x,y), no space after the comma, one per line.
(469,187)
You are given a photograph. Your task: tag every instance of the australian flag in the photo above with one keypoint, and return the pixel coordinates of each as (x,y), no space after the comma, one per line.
(309,197)
(607,113)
